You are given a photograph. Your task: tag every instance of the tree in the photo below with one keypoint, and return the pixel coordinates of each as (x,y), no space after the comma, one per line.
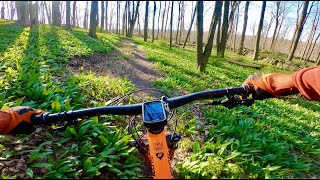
(244,27)
(74,13)
(164,12)
(256,50)
(298,31)
(56,15)
(2,10)
(171,22)
(179,17)
(102,16)
(202,57)
(93,19)
(154,17)
(224,33)
(106,16)
(133,18)
(145,35)
(34,20)
(85,19)
(165,28)
(159,21)
(22,12)
(192,20)
(68,14)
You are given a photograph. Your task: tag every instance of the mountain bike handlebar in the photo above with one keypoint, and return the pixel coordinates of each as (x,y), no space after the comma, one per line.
(136,109)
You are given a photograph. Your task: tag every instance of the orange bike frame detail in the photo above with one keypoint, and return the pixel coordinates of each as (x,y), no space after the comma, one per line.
(159,153)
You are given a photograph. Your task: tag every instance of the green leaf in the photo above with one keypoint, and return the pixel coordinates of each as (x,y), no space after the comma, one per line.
(55,105)
(42,165)
(29,173)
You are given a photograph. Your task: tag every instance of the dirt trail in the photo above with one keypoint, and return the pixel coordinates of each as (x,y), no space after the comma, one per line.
(130,62)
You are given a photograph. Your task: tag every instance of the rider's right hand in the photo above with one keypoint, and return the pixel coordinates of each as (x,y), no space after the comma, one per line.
(270,85)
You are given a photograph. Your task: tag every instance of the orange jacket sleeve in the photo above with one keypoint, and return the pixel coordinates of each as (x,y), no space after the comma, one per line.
(307,82)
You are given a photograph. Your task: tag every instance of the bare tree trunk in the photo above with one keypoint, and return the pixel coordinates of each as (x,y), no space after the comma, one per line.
(56,15)
(22,12)
(234,5)
(165,28)
(236,31)
(171,22)
(2,10)
(202,57)
(102,16)
(218,35)
(269,26)
(223,40)
(124,17)
(48,12)
(68,13)
(117,28)
(299,29)
(154,16)
(179,17)
(145,35)
(256,50)
(164,12)
(74,13)
(106,16)
(12,10)
(118,18)
(133,19)
(85,22)
(181,21)
(244,27)
(311,50)
(192,20)
(276,17)
(159,20)
(93,19)
(139,26)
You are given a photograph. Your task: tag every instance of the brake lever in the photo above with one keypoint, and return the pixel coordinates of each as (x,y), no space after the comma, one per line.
(231,101)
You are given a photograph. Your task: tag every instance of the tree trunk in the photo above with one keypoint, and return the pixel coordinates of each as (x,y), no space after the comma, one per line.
(256,50)
(310,51)
(269,26)
(234,6)
(299,29)
(56,15)
(117,28)
(223,41)
(85,21)
(244,27)
(34,19)
(154,16)
(68,13)
(171,22)
(163,14)
(118,18)
(102,16)
(2,10)
(48,13)
(276,16)
(74,13)
(93,19)
(159,20)
(181,21)
(124,17)
(145,35)
(179,17)
(236,31)
(22,12)
(218,35)
(139,26)
(165,28)
(106,28)
(202,58)
(199,25)
(192,20)
(133,19)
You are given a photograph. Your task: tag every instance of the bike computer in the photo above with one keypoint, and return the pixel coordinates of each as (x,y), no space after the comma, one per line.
(154,114)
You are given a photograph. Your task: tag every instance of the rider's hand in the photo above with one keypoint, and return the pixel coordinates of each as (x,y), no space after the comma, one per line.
(270,85)
(16,120)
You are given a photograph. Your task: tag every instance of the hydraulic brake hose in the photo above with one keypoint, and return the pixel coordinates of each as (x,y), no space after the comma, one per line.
(135,109)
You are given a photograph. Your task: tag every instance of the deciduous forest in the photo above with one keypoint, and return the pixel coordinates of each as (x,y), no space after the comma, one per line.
(74,59)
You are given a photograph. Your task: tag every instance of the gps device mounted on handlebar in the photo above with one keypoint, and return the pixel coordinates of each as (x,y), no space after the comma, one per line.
(154,115)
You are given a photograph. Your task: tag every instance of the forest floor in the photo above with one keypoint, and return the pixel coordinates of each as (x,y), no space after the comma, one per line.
(128,61)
